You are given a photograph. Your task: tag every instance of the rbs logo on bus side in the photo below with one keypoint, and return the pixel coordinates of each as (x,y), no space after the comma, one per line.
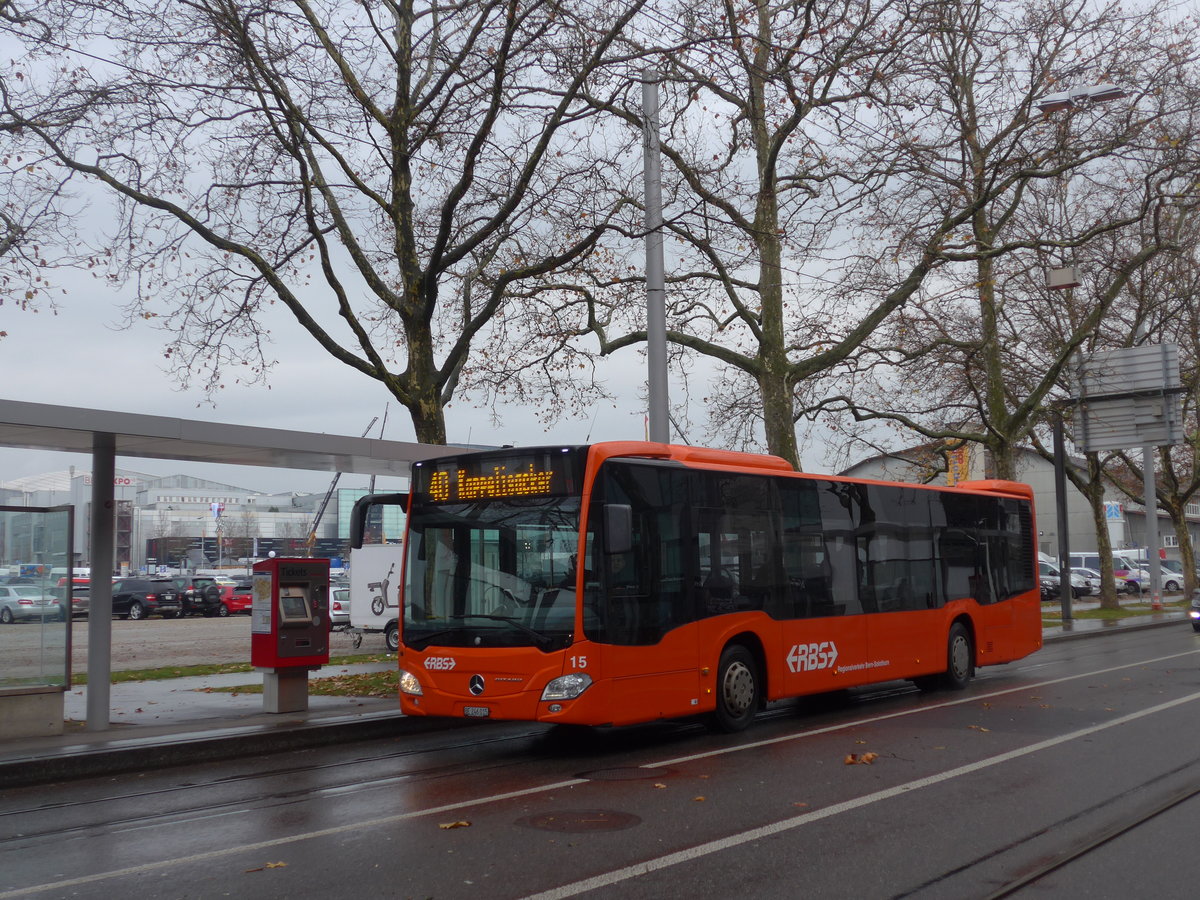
(809,657)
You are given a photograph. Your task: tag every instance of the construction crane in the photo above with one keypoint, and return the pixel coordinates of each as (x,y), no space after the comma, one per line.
(312,531)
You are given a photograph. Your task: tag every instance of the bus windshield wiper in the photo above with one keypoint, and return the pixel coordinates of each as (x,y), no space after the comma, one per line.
(542,641)
(424,639)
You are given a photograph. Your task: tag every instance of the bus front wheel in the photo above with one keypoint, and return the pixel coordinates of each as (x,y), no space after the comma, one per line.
(960,664)
(739,690)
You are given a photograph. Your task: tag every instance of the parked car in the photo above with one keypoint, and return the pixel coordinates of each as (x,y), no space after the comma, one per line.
(80,593)
(137,598)
(339,606)
(1090,581)
(1091,576)
(1194,612)
(225,596)
(241,596)
(24,602)
(1171,575)
(79,598)
(1049,572)
(191,589)
(1048,588)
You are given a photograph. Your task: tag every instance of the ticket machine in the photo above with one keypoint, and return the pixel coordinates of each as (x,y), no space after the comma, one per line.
(289,628)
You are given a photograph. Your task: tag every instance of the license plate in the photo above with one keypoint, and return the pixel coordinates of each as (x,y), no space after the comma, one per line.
(476,712)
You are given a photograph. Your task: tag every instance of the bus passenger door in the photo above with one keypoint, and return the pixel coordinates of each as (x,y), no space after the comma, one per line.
(651,653)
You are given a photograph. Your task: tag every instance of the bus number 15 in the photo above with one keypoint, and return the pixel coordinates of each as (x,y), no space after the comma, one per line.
(578,662)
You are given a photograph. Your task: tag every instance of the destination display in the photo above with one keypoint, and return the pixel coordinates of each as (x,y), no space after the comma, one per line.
(465,479)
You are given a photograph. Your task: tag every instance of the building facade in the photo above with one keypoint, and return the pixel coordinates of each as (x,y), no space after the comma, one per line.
(184,522)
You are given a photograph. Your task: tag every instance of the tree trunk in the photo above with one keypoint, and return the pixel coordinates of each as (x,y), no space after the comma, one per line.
(1094,492)
(999,441)
(1179,521)
(419,388)
(778,418)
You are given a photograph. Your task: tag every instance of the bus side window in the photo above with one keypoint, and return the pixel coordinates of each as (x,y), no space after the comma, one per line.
(818,550)
(736,555)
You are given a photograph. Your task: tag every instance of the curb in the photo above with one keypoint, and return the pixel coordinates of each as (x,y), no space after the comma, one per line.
(1117,626)
(140,754)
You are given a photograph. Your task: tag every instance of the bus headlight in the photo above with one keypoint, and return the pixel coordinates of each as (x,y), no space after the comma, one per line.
(567,687)
(409,683)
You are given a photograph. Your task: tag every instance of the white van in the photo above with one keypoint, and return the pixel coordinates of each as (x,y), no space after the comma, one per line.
(1128,576)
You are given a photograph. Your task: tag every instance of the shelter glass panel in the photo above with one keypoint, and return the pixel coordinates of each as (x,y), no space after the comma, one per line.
(36,572)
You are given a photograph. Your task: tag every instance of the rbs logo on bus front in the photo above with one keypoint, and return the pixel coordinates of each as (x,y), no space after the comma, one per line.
(809,657)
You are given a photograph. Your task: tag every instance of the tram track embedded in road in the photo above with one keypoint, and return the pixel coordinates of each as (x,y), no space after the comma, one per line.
(1071,851)
(338,786)
(1091,844)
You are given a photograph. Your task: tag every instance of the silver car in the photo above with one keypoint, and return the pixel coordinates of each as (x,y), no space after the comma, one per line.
(23,602)
(1091,580)
(339,607)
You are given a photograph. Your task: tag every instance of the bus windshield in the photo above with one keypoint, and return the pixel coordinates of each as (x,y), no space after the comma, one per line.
(496,573)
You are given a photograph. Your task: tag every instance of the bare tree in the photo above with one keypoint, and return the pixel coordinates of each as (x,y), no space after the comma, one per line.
(399,177)
(835,162)
(762,113)
(1162,307)
(38,209)
(976,356)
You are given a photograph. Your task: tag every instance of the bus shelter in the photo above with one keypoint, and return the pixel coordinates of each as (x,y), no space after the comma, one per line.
(107,434)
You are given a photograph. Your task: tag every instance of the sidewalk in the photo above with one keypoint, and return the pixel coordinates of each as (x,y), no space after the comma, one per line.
(181,720)
(175,721)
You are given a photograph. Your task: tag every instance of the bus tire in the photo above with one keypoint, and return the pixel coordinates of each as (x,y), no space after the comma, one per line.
(960,658)
(739,689)
(391,637)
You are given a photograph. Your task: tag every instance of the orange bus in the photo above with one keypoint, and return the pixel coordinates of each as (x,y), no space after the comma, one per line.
(625,582)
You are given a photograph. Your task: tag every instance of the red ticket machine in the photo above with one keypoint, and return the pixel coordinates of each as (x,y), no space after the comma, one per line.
(289,628)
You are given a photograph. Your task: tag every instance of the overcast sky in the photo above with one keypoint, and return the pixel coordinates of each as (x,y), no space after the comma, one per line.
(80,357)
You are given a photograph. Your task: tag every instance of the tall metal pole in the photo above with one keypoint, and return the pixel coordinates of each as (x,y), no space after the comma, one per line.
(1150,496)
(99,663)
(656,304)
(1060,498)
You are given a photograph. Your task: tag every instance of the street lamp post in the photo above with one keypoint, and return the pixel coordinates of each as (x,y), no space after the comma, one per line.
(1066,277)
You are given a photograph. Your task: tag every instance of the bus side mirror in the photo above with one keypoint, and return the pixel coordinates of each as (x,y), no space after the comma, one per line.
(618,528)
(362,508)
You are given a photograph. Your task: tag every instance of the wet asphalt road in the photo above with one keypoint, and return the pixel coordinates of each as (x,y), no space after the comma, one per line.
(1085,753)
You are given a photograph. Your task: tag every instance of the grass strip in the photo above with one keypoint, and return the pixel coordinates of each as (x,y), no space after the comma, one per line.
(166,672)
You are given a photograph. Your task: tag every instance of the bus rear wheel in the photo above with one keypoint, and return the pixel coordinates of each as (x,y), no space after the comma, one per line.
(739,689)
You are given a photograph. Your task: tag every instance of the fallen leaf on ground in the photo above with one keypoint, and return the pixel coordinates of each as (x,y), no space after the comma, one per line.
(860,759)
(459,824)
